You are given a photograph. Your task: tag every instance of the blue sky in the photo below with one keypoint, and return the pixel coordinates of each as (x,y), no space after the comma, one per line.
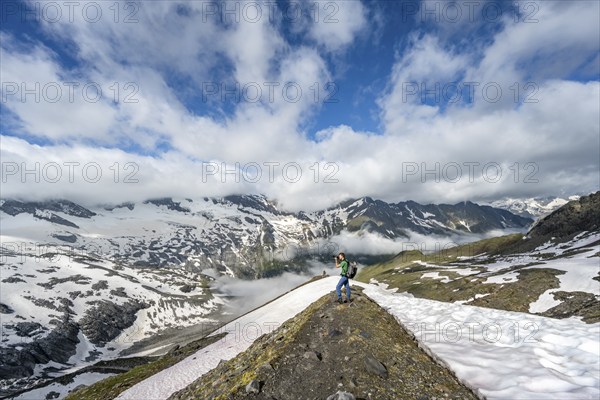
(376,93)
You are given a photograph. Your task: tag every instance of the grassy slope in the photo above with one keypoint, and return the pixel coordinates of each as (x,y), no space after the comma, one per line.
(408,258)
(405,273)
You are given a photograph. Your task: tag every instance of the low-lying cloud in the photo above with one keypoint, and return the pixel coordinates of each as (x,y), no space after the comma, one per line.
(245,295)
(371,243)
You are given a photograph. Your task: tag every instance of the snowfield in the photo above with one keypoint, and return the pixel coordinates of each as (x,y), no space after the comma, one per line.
(503,354)
(500,354)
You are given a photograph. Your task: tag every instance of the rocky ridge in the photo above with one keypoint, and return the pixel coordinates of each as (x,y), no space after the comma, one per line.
(581,215)
(331,351)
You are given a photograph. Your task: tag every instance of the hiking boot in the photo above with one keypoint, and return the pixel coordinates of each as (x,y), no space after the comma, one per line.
(340,300)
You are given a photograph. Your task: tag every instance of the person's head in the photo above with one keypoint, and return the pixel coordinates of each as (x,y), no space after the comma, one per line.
(342,256)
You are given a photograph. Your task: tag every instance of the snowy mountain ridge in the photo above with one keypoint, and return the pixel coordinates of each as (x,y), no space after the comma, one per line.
(532,207)
(242,236)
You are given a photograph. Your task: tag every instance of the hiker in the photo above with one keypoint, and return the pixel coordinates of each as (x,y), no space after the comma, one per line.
(341,262)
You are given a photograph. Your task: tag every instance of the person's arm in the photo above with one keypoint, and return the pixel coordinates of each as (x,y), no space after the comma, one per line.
(337,264)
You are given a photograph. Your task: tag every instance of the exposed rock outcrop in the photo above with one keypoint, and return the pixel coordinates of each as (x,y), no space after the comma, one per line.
(106,320)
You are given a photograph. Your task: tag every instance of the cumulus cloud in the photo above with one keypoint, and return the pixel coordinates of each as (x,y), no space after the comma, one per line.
(186,142)
(335,25)
(50,102)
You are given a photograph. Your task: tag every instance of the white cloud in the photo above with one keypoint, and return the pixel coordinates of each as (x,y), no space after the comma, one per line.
(558,43)
(49,101)
(252,48)
(381,166)
(555,129)
(155,34)
(141,59)
(549,134)
(335,24)
(426,66)
(559,133)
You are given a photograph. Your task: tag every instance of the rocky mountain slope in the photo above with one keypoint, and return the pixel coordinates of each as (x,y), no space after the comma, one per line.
(553,270)
(581,215)
(59,310)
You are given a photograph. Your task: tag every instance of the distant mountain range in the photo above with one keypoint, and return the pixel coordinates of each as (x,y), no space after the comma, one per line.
(533,207)
(242,236)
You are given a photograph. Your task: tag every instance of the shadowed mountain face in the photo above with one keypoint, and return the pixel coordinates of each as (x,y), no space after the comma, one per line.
(396,219)
(572,218)
(13,207)
(355,348)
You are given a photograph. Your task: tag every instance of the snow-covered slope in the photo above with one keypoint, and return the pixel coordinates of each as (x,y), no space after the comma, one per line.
(64,285)
(505,355)
(499,353)
(62,310)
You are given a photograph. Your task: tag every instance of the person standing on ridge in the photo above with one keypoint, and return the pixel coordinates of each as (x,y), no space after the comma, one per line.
(341,262)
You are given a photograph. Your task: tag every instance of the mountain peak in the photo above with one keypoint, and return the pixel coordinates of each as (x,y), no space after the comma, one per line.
(533,207)
(258,202)
(168,203)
